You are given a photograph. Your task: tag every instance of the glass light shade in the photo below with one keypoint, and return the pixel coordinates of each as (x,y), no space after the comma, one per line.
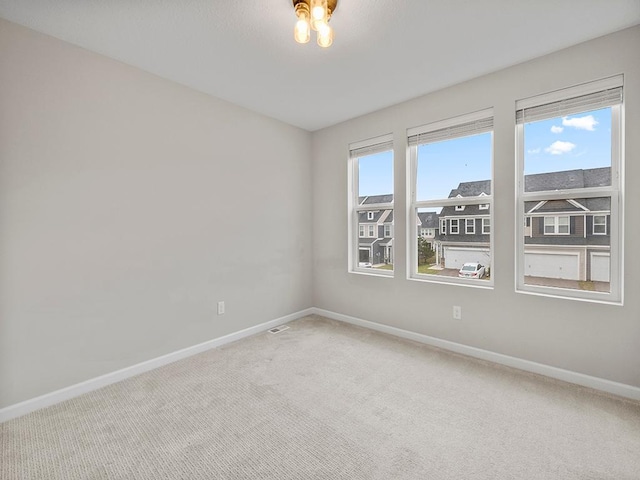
(302,31)
(325,36)
(319,14)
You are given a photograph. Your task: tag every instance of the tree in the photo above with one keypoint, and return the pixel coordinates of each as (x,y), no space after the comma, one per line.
(425,252)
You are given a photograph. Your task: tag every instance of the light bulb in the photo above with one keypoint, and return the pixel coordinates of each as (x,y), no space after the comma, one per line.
(325,36)
(319,14)
(302,30)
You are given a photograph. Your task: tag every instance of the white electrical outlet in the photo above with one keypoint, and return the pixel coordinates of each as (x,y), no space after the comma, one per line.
(457,312)
(220,308)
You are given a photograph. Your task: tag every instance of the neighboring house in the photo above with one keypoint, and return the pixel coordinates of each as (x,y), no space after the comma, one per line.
(428,225)
(375,231)
(464,233)
(568,238)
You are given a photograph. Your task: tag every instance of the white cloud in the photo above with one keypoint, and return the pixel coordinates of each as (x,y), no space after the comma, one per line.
(581,123)
(556,129)
(534,151)
(558,147)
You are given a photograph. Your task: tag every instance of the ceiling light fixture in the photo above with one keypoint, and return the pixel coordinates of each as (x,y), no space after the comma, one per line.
(314,15)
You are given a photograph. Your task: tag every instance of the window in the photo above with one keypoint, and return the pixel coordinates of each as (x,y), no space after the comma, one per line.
(454,226)
(371,200)
(486,226)
(470,226)
(556,225)
(599,224)
(450,177)
(423,232)
(483,206)
(569,151)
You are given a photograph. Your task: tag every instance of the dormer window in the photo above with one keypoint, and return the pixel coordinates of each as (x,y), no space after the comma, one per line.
(370,215)
(483,206)
(459,208)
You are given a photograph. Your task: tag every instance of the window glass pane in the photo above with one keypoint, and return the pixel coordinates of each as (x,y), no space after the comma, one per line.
(457,166)
(443,252)
(568,152)
(375,187)
(375,176)
(573,256)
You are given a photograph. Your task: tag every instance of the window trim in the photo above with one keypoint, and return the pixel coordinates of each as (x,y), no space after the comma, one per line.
(556,224)
(466,226)
(387,228)
(486,222)
(593,224)
(370,215)
(457,226)
(357,150)
(361,230)
(615,192)
(475,123)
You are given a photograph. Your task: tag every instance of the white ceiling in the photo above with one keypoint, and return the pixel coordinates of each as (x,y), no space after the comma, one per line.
(385,51)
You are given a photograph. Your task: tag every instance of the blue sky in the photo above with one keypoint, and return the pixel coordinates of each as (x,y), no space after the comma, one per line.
(566,143)
(561,143)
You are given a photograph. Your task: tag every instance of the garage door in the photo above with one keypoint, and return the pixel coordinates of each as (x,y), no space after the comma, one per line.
(600,263)
(455,257)
(552,265)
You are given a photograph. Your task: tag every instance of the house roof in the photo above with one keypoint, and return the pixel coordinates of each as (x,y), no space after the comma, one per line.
(568,179)
(374,199)
(428,219)
(472,189)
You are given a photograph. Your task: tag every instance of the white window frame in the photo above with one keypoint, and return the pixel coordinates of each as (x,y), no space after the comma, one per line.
(361,230)
(370,215)
(486,226)
(371,231)
(556,224)
(459,208)
(456,127)
(472,230)
(454,228)
(357,150)
(594,224)
(581,98)
(387,231)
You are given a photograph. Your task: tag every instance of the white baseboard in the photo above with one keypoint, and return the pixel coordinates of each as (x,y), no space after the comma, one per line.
(620,389)
(28,406)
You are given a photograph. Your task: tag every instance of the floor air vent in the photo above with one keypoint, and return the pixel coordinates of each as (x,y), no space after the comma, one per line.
(279,329)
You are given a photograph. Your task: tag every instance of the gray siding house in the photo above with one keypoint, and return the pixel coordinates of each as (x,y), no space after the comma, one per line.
(567,239)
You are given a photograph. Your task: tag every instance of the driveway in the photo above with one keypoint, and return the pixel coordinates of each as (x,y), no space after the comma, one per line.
(572,284)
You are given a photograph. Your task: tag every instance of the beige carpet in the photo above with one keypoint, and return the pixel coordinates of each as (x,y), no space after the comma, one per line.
(324,400)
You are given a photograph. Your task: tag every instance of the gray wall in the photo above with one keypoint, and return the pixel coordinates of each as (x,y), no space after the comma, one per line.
(129,206)
(595,339)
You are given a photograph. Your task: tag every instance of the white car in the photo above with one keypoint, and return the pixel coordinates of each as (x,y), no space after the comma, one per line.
(472,270)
